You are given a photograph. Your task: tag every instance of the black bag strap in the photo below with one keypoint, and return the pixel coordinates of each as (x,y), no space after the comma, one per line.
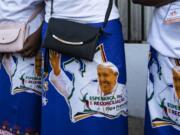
(108,12)
(107,15)
(116,2)
(52,2)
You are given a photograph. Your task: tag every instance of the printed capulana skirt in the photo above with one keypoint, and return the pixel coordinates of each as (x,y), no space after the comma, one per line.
(163,95)
(20,95)
(86,98)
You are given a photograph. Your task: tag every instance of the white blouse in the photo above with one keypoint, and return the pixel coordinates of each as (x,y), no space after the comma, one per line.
(84,11)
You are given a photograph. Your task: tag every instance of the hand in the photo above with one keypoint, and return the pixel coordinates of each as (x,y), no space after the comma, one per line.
(7,55)
(32,44)
(55,62)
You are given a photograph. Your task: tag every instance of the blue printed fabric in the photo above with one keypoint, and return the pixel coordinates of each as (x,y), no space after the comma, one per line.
(87,98)
(20,95)
(163,96)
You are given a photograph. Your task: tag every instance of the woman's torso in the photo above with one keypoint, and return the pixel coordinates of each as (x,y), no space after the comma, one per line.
(20,11)
(17,9)
(85,11)
(165,37)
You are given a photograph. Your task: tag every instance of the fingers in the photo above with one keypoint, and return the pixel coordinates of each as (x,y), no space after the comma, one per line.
(30,49)
(32,44)
(53,54)
(7,55)
(50,54)
(29,53)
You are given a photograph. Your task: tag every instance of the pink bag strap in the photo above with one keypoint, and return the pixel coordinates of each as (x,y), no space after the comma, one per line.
(36,12)
(38,9)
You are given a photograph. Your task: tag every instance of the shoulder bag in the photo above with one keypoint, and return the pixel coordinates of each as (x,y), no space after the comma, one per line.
(72,38)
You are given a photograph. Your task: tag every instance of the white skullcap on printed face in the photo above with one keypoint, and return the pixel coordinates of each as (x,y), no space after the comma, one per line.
(110,65)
